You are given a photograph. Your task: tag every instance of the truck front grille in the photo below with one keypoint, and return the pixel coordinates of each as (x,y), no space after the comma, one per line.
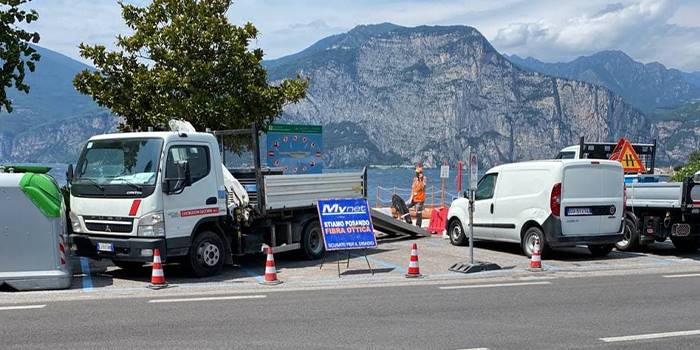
(108,224)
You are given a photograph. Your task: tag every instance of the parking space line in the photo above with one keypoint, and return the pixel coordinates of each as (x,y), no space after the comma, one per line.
(495,285)
(650,336)
(87,279)
(683,275)
(230,297)
(21,307)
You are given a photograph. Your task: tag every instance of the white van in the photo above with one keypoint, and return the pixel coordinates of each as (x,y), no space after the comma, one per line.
(562,202)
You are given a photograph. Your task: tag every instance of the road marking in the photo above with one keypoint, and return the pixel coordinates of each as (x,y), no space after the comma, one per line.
(21,307)
(685,275)
(476,349)
(650,336)
(494,285)
(87,279)
(184,300)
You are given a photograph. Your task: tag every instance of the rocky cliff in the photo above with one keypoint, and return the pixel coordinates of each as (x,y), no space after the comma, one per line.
(429,93)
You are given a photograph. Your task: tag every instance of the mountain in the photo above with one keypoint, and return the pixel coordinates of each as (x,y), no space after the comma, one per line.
(678,130)
(51,122)
(645,86)
(428,93)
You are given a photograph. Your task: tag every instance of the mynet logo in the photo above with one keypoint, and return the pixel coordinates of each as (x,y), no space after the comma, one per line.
(336,209)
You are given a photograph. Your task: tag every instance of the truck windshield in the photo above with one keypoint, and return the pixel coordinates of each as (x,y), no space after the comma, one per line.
(119,162)
(566,155)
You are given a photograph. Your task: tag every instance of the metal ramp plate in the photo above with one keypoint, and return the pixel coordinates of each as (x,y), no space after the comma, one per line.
(387,223)
(477,266)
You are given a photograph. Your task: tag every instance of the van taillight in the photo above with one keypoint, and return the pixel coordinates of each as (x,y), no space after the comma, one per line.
(555,200)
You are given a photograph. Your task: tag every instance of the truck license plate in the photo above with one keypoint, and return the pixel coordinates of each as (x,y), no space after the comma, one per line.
(105,247)
(579,211)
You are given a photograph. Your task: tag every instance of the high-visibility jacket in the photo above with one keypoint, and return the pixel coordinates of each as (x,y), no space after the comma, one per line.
(418,190)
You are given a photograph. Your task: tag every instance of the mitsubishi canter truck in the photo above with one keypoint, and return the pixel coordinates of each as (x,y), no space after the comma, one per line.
(131,193)
(562,202)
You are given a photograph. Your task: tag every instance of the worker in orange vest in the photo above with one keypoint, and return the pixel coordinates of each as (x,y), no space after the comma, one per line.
(418,194)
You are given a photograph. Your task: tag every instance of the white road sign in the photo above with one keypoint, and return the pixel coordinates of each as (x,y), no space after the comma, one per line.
(473,171)
(445,172)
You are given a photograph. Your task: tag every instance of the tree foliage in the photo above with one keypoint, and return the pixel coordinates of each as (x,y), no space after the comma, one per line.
(185,60)
(689,169)
(16,53)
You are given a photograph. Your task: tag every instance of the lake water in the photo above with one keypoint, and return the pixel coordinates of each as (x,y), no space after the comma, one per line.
(382,181)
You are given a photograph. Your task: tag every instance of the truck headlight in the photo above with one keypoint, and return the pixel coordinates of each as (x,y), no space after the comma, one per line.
(75,222)
(151,225)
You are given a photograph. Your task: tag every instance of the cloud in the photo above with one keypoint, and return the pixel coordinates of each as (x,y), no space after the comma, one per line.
(643,29)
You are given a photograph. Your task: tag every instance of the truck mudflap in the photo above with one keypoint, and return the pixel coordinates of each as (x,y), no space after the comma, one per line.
(555,238)
(125,249)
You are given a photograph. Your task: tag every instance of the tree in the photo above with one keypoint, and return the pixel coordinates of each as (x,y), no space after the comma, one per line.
(15,49)
(184,60)
(689,169)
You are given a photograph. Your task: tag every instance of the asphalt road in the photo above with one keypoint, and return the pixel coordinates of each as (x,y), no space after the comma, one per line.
(559,313)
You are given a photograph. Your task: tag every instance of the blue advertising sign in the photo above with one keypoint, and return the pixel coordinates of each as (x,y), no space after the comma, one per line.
(346,224)
(295,148)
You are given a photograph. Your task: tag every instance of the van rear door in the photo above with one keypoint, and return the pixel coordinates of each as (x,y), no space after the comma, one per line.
(592,195)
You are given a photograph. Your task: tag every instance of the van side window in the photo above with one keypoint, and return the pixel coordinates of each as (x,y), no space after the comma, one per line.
(484,190)
(196,156)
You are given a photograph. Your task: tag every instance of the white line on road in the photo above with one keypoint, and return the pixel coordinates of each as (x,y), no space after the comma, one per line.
(494,285)
(684,275)
(650,336)
(21,307)
(476,349)
(184,300)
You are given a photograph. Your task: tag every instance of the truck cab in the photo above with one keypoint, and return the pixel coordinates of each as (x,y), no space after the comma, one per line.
(128,190)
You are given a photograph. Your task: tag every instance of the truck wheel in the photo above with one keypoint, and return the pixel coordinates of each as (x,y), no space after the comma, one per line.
(206,256)
(630,237)
(685,244)
(312,241)
(457,235)
(528,241)
(129,266)
(600,250)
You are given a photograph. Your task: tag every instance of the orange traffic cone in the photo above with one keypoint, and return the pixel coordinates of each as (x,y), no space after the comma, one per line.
(536,259)
(413,269)
(157,276)
(270,270)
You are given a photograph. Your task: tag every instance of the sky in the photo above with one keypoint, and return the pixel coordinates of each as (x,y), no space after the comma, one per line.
(666,31)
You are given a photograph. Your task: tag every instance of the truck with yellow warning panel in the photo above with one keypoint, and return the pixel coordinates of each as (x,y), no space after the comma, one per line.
(656,209)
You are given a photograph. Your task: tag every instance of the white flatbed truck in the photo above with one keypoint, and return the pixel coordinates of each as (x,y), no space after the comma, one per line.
(131,193)
(655,210)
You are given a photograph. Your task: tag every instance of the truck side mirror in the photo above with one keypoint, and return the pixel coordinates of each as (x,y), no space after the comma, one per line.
(69,173)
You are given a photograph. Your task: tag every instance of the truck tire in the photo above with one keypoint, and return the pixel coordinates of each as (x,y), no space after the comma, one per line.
(600,250)
(685,244)
(456,233)
(630,237)
(129,266)
(312,247)
(528,241)
(206,255)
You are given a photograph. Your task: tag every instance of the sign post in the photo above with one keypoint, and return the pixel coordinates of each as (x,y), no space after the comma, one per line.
(473,266)
(473,174)
(346,224)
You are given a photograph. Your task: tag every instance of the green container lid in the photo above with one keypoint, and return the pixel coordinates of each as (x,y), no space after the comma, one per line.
(43,191)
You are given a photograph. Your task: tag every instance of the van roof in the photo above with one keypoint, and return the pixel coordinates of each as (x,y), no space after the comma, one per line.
(548,163)
(165,135)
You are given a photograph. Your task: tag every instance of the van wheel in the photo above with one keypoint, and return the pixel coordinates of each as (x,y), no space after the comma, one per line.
(600,250)
(630,237)
(312,247)
(685,244)
(457,235)
(206,256)
(528,241)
